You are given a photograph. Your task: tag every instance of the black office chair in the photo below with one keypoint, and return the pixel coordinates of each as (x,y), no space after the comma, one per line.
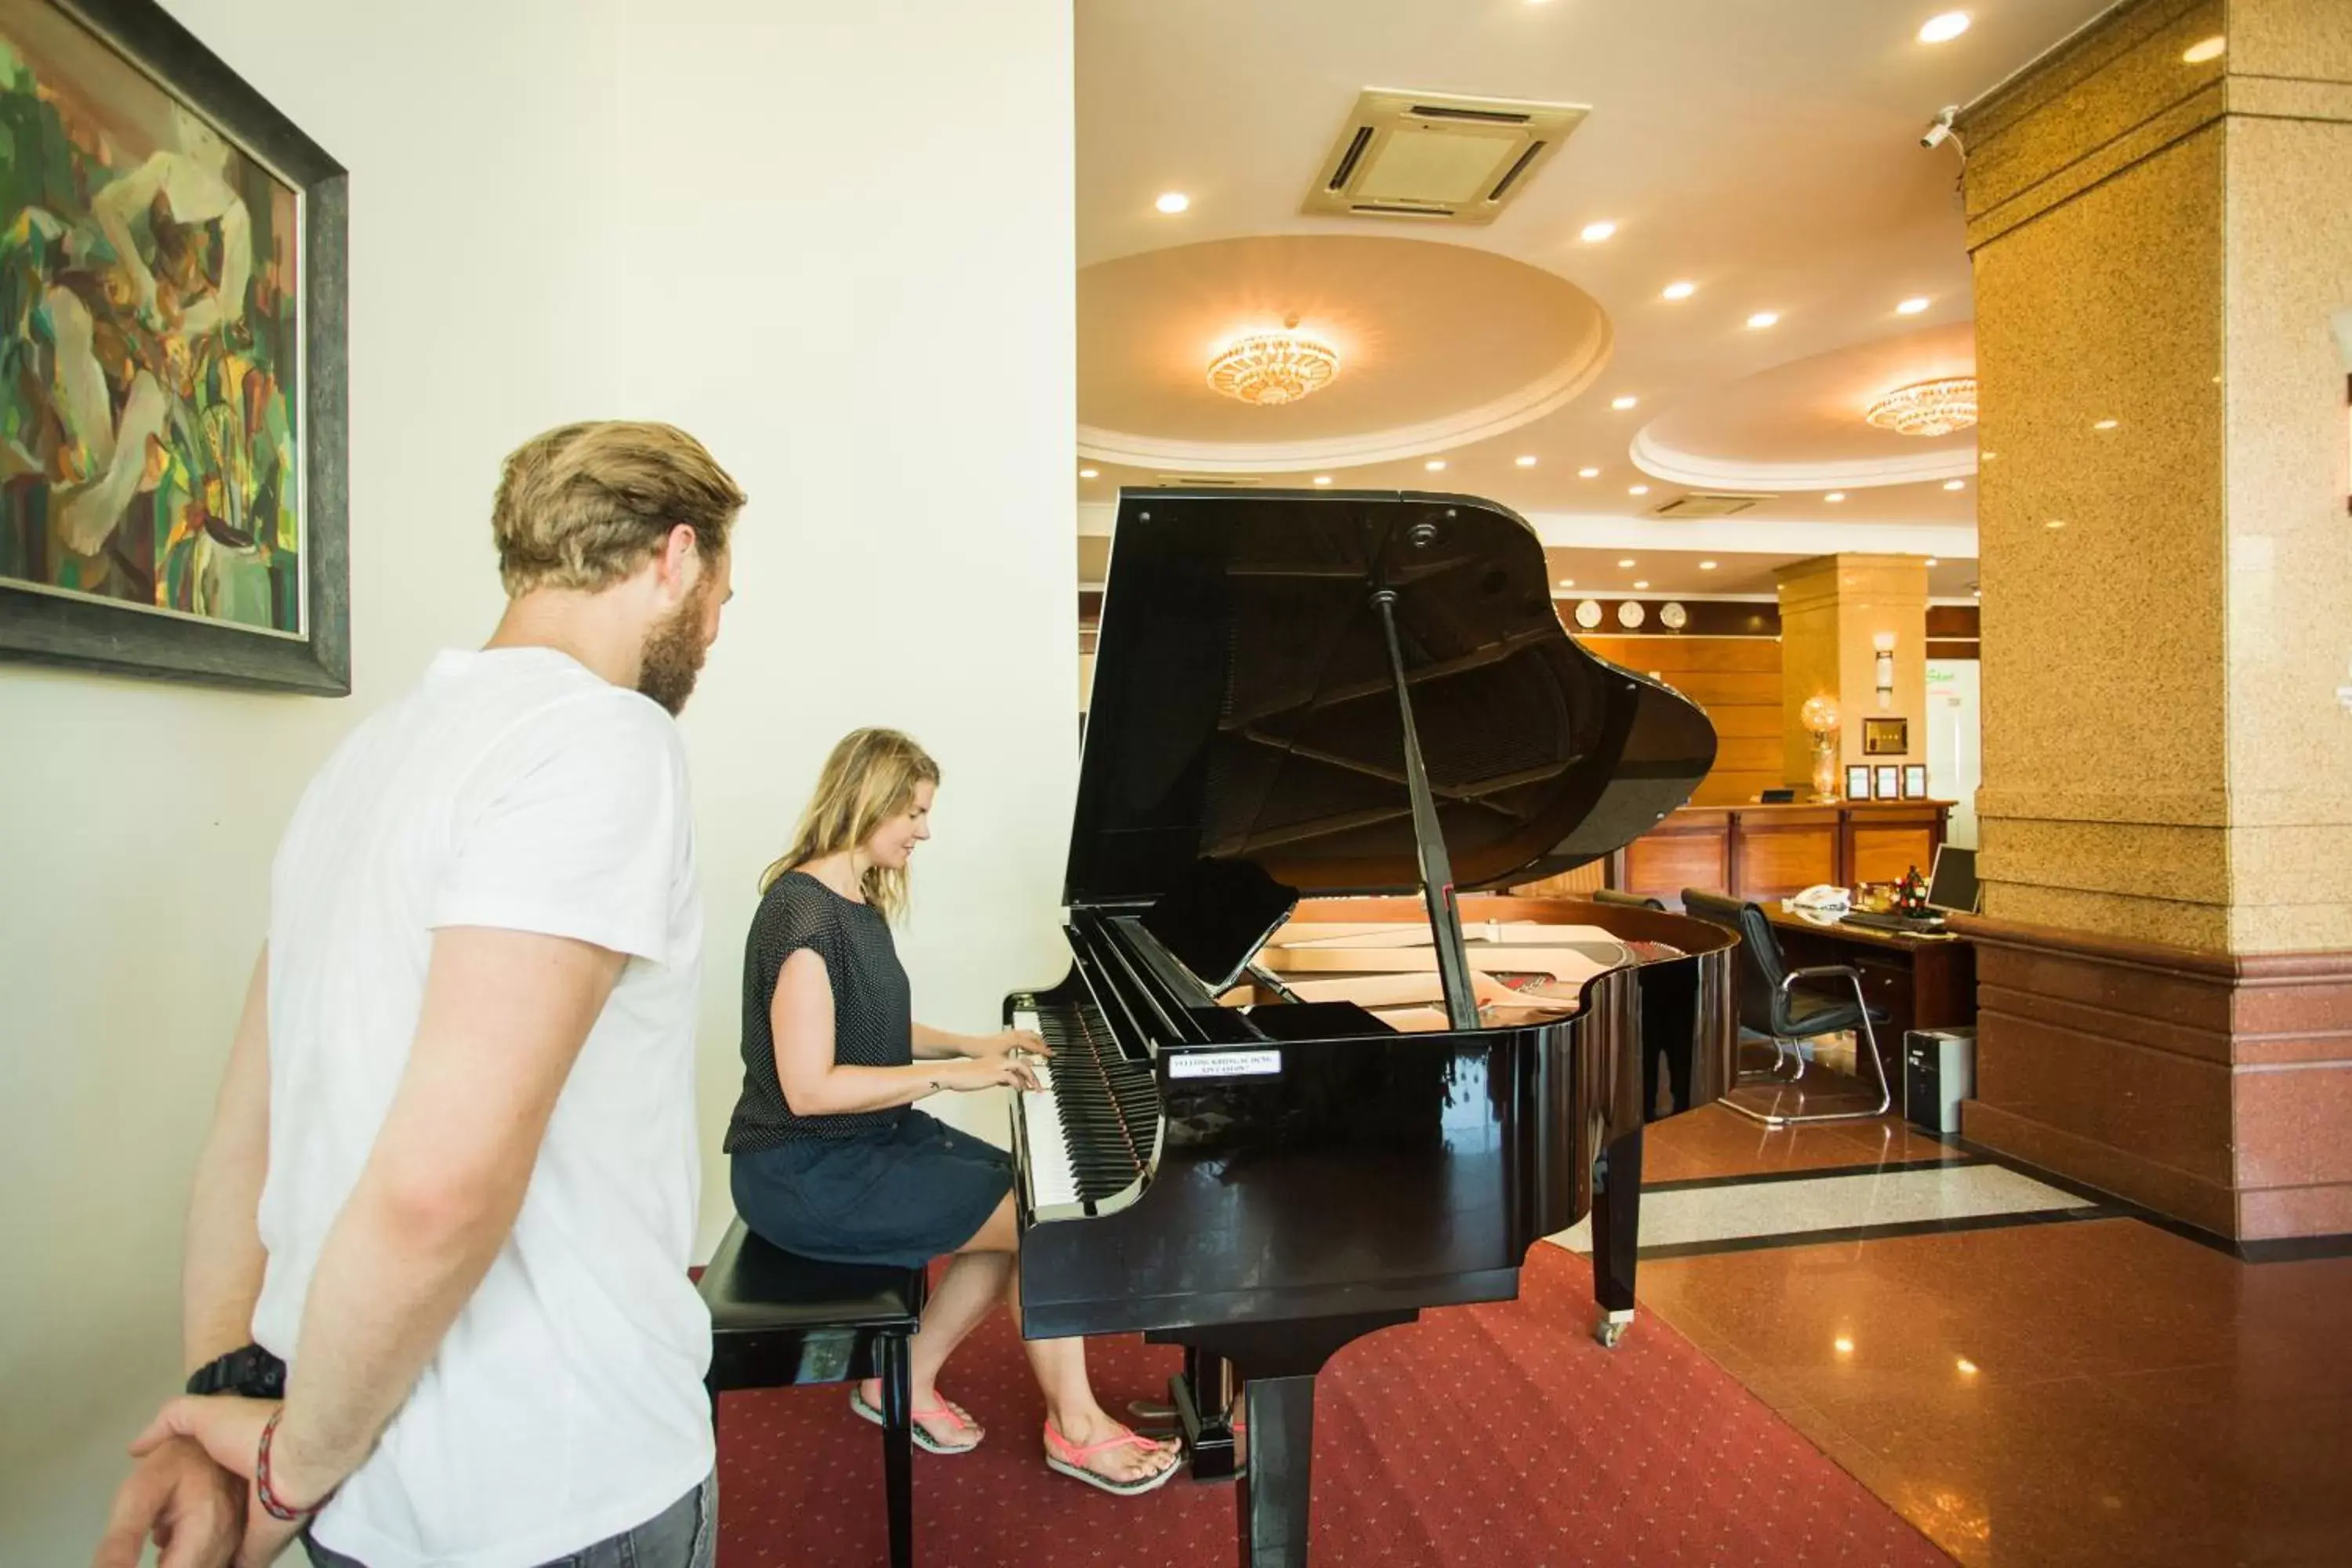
(1771,1005)
(1626,901)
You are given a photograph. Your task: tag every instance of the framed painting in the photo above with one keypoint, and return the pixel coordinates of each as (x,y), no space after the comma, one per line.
(172,483)
(1886,736)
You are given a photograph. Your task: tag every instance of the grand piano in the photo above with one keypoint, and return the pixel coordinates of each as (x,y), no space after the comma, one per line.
(1271,1128)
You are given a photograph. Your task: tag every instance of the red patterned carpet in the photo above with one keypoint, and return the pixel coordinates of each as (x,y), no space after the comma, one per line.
(1479,1436)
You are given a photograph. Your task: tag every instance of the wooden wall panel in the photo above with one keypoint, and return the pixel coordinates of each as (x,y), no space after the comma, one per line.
(1738,680)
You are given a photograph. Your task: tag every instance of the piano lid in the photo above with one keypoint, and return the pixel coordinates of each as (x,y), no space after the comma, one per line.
(1243,710)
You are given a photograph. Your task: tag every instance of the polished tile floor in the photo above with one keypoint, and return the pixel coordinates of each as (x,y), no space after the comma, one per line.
(2053,1384)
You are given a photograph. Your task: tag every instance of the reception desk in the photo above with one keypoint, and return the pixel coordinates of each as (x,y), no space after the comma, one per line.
(1765,852)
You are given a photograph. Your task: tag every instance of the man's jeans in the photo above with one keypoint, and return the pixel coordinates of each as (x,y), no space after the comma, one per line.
(683,1535)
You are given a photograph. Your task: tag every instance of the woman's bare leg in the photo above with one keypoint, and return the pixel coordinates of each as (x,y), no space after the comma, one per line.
(1060,1366)
(971,1287)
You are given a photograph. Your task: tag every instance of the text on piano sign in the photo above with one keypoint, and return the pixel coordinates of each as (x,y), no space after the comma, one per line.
(1227,1064)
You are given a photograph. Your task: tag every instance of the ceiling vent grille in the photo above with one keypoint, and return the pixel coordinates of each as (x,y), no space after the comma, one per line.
(1428,155)
(1702,503)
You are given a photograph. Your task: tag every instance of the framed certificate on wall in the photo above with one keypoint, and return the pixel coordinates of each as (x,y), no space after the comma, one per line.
(1886,780)
(1914,780)
(1857,781)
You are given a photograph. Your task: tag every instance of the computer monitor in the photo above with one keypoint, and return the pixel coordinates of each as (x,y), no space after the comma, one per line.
(1952,885)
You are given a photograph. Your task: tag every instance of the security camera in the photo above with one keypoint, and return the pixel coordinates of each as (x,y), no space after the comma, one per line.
(1937,134)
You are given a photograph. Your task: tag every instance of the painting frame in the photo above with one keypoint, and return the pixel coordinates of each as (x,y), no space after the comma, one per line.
(1857,781)
(74,632)
(1886,736)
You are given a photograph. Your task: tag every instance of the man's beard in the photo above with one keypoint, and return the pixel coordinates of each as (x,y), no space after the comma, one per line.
(672,657)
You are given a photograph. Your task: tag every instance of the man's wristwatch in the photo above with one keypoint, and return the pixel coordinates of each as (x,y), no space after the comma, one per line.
(249,1369)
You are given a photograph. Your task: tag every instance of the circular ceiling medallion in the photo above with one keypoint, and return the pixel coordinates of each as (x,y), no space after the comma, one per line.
(1806,425)
(1442,344)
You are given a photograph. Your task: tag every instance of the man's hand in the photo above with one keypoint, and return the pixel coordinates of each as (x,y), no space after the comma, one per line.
(190,1507)
(228,1430)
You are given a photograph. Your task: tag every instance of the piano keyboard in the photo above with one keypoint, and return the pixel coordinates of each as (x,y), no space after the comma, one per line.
(1092,1131)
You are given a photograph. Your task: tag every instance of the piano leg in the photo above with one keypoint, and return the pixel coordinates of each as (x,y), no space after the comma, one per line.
(1204,1397)
(1274,1485)
(1616,1235)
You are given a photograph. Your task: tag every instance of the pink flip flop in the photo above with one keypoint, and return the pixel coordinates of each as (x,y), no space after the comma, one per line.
(923,1439)
(1066,1456)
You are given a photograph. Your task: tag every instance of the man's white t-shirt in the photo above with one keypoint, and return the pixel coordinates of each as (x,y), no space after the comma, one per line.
(515,789)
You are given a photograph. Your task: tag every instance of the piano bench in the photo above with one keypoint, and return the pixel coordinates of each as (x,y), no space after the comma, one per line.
(778,1319)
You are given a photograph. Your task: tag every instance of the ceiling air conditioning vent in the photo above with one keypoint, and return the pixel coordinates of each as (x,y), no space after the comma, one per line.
(1700,503)
(1428,155)
(1205,482)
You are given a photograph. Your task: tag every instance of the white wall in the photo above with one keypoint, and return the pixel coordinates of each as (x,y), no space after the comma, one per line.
(563,210)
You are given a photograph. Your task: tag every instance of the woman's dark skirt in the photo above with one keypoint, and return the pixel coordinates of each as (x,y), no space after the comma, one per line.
(902,1196)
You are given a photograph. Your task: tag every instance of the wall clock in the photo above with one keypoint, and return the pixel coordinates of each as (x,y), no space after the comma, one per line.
(1629,613)
(1672,616)
(1588,614)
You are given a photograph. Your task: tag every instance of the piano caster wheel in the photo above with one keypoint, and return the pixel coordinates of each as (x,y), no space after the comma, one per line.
(1609,1330)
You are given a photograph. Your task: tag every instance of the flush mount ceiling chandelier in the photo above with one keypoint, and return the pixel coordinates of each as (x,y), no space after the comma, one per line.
(1927,408)
(1271,368)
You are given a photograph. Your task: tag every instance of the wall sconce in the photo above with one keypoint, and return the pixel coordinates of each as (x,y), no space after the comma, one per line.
(1884,643)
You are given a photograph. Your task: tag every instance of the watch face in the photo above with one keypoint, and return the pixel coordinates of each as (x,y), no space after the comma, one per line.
(1629,614)
(1588,614)
(1672,616)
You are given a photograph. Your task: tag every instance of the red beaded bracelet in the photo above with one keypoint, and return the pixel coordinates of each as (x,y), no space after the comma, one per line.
(261,1487)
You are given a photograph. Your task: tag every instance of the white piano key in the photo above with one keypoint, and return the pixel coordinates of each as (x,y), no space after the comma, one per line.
(1052,1182)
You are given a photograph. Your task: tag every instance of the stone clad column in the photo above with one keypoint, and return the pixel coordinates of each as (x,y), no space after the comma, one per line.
(2160,220)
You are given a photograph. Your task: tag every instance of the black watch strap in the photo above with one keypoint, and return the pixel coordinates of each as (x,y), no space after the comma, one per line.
(249,1369)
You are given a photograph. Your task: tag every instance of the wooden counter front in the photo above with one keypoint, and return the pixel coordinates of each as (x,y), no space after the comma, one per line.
(1762,852)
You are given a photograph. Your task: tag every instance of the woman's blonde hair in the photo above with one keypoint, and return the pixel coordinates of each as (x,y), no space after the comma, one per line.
(870,778)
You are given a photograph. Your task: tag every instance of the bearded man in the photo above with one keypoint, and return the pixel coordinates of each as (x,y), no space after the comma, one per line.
(447,1203)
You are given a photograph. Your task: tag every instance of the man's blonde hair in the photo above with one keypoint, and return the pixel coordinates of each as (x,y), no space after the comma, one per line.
(585,505)
(869,778)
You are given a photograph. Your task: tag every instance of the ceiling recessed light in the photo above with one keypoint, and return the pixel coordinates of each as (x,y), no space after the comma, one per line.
(1965,1365)
(1682,289)
(1912,306)
(1628,562)
(1090,473)
(1844,1345)
(1624,402)
(1568,582)
(1595,233)
(1640,583)
(2055,522)
(1637,489)
(1588,473)
(1172,202)
(1834,495)
(1956,484)
(1762,319)
(1322,478)
(2106,425)
(1943,29)
(1436,465)
(1931,561)
(2204,49)
(1706,566)
(1524,462)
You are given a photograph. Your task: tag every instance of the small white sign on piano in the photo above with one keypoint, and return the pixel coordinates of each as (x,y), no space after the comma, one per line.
(1227,1064)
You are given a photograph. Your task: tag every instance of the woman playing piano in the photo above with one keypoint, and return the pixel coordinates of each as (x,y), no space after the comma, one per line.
(831,1159)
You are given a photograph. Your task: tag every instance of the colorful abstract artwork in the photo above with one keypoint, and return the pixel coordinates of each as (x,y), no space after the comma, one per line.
(152,347)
